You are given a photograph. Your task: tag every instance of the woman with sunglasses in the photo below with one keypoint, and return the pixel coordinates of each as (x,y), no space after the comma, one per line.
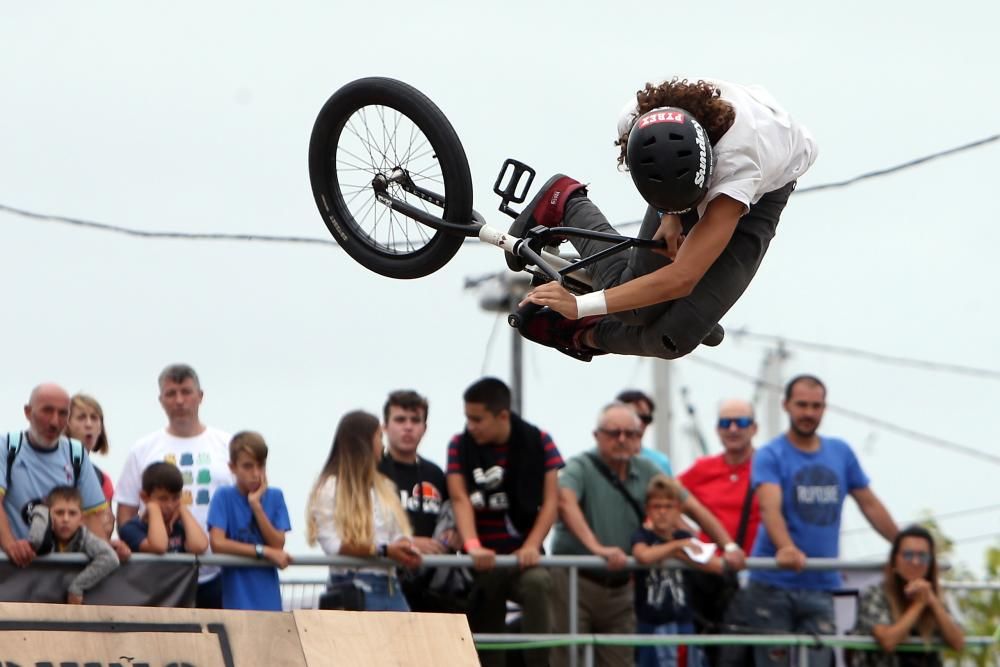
(906,604)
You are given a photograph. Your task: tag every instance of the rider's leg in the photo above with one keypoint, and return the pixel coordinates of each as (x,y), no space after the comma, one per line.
(683,323)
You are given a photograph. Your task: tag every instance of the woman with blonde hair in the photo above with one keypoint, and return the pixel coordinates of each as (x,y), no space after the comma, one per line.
(355,511)
(86,424)
(906,604)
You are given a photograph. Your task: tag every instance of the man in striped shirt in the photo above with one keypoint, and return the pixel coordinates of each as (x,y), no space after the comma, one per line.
(503,484)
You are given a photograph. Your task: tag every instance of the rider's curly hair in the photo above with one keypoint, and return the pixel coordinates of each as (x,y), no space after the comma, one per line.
(701,99)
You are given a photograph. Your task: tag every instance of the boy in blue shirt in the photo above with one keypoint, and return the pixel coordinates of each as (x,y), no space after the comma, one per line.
(166,525)
(661,605)
(249,519)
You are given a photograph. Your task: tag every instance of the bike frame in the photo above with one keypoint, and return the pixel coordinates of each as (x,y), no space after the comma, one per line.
(531,246)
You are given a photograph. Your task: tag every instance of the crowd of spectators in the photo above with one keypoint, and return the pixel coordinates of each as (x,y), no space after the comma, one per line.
(189,487)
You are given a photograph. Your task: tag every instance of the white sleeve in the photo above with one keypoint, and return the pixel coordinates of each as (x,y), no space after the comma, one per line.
(130,482)
(321,511)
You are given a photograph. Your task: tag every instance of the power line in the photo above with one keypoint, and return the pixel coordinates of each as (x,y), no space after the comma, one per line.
(859,416)
(873,356)
(943,515)
(265,238)
(898,167)
(192,236)
(961,540)
(879,172)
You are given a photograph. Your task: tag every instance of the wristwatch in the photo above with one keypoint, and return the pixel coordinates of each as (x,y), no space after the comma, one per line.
(382,550)
(259,550)
(730,547)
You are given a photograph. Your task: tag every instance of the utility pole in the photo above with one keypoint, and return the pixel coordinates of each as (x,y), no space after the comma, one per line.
(664,409)
(772,376)
(500,293)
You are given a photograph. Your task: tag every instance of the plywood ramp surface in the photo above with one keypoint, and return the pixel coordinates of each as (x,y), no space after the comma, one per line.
(384,638)
(255,637)
(78,648)
(199,637)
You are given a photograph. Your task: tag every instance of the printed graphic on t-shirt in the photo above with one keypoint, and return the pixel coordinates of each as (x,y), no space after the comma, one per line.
(188,477)
(204,476)
(431,495)
(187,459)
(204,458)
(202,497)
(171,459)
(817,495)
(186,497)
(663,582)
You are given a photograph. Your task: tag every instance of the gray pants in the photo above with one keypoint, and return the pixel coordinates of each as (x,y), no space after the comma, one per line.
(674,328)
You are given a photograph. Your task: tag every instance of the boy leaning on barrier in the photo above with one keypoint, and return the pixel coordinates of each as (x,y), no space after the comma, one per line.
(661,601)
(250,519)
(57,527)
(166,525)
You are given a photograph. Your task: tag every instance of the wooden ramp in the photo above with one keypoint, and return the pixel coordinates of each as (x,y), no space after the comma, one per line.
(94,636)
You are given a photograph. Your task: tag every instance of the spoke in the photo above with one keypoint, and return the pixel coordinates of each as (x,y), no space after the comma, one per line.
(365,144)
(355,196)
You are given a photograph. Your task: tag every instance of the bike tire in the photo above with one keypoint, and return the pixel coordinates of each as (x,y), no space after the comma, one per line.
(403,248)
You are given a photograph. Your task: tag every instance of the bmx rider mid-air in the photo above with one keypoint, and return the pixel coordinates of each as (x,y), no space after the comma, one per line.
(716,163)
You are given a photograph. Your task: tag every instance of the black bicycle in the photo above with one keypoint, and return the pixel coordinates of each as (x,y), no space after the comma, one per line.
(392,182)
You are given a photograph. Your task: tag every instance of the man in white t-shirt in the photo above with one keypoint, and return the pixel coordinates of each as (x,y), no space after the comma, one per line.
(200,452)
(716,163)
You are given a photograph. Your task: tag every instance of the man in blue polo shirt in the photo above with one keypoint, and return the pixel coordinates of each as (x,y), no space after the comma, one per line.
(802,479)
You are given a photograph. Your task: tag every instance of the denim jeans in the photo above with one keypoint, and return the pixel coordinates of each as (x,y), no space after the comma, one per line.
(768,609)
(666,656)
(382,592)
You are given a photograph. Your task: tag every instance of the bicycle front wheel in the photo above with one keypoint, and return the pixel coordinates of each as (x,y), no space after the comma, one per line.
(379,136)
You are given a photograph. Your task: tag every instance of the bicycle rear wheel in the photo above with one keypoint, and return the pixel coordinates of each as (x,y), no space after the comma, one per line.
(379,135)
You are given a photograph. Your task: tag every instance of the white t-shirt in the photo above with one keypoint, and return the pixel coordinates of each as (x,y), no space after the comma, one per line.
(387,529)
(765,149)
(203,461)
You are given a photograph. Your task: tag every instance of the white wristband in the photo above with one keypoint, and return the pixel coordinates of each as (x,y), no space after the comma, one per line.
(593,303)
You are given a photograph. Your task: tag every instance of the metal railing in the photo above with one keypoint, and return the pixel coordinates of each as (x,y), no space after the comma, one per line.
(588,642)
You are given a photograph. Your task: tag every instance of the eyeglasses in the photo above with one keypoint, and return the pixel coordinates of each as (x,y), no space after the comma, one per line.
(741,422)
(918,557)
(646,419)
(616,433)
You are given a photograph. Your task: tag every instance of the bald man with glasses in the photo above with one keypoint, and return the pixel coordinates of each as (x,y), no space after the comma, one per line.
(722,484)
(601,504)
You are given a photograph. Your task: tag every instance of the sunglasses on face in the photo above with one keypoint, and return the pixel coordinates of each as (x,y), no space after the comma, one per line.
(918,557)
(616,433)
(741,422)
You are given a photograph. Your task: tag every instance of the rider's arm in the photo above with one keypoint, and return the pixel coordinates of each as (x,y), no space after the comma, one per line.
(699,251)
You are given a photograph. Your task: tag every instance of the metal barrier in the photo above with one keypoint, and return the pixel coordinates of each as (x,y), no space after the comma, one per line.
(574,564)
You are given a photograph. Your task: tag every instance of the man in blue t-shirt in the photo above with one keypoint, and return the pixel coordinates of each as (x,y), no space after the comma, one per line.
(802,479)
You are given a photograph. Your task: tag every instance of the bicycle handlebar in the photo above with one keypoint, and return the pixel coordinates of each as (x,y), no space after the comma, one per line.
(523,314)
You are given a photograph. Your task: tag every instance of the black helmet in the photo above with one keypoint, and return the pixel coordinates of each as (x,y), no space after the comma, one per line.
(670,159)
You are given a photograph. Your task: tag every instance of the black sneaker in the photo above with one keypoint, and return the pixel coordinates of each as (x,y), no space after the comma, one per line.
(549,328)
(546,209)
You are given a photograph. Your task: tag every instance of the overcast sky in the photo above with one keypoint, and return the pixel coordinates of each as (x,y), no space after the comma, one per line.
(196,117)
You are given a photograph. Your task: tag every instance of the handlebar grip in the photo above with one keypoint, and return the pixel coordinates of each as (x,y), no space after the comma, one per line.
(519,317)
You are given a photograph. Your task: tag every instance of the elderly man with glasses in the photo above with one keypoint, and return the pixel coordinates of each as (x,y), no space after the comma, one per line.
(644,408)
(601,499)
